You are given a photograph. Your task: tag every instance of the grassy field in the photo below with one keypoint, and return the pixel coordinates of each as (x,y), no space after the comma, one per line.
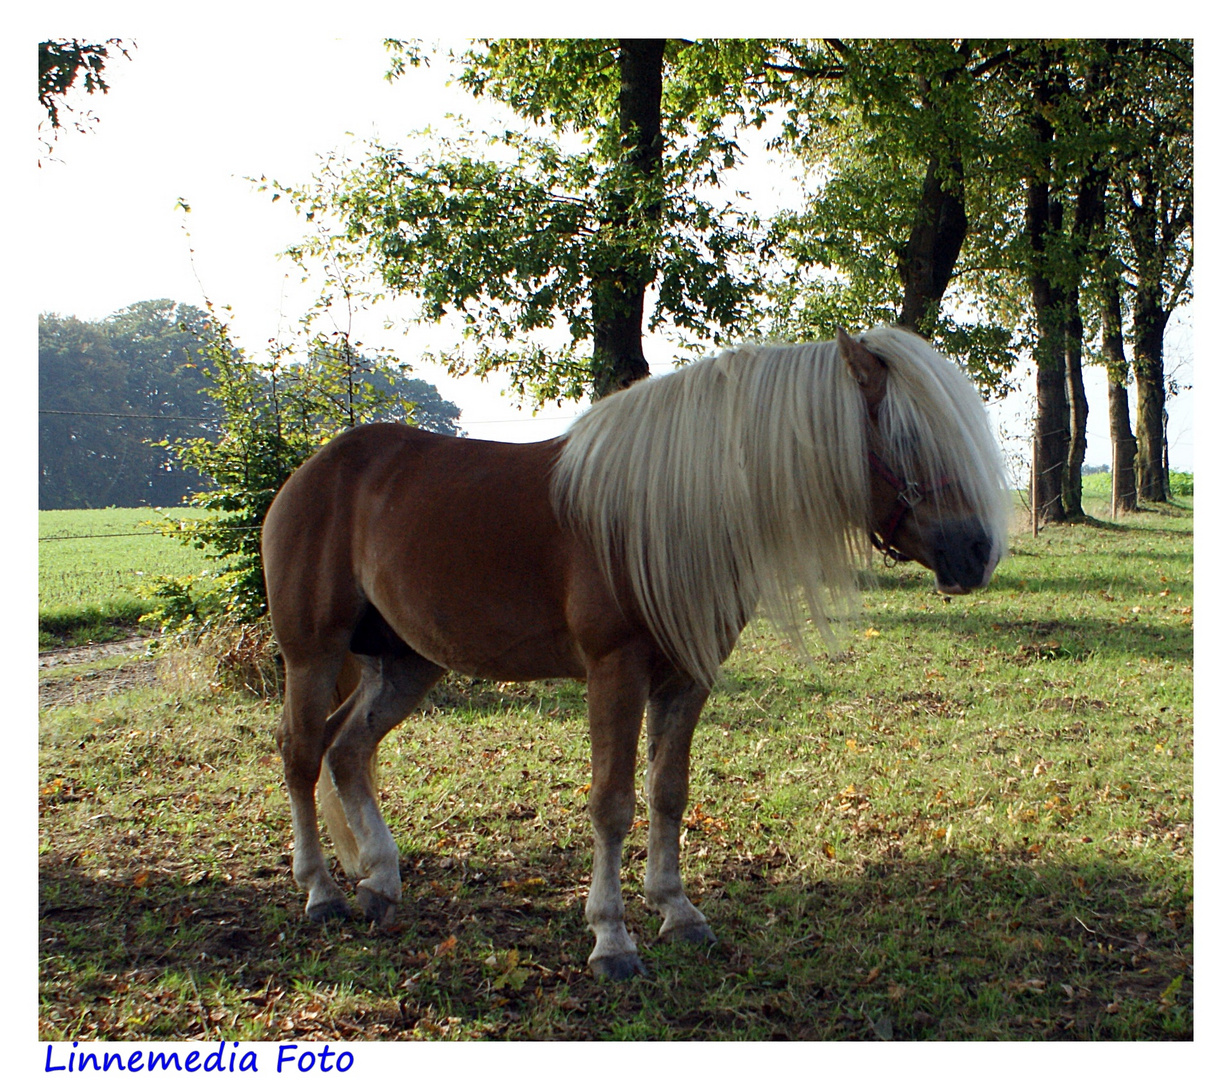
(974,822)
(93,565)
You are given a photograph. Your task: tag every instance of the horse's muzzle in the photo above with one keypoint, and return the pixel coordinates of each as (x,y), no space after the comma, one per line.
(963,556)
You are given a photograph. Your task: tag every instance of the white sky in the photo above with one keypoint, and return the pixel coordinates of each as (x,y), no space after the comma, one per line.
(193,116)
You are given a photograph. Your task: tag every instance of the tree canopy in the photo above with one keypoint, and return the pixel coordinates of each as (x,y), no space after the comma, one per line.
(116,396)
(548,238)
(62,63)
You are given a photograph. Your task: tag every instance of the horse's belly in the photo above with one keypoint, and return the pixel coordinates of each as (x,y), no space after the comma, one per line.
(486,640)
(506,660)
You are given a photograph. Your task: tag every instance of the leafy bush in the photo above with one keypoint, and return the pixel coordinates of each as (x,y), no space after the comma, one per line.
(275,415)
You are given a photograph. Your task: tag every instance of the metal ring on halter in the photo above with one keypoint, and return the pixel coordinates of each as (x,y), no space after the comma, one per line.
(910,494)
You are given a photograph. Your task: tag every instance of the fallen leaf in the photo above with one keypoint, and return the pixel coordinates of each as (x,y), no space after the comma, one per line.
(526,885)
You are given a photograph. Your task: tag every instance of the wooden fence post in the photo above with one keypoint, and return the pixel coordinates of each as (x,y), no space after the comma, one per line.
(1035,482)
(1112,489)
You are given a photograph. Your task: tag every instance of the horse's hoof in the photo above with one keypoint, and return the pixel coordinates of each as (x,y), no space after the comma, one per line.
(329,910)
(692,933)
(618,967)
(376,908)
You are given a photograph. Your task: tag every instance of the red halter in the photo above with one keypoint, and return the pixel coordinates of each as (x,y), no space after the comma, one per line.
(909,495)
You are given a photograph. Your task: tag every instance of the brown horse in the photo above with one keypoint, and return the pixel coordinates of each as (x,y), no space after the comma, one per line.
(630,553)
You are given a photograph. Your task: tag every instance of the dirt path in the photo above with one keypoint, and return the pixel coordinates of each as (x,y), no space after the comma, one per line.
(58,688)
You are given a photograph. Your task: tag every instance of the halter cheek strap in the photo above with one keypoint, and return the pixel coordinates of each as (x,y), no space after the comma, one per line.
(909,495)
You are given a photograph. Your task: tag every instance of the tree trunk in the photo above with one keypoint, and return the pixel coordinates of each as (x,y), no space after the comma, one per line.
(1123,497)
(1051,406)
(1088,211)
(937,236)
(625,269)
(1043,220)
(1051,425)
(1149,322)
(1076,398)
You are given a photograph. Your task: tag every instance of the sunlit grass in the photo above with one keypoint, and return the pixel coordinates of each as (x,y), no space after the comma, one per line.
(972,822)
(94,566)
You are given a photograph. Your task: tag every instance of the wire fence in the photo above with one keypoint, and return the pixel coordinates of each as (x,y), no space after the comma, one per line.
(140,532)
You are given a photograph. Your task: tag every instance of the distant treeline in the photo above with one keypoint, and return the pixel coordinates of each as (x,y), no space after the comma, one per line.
(109,390)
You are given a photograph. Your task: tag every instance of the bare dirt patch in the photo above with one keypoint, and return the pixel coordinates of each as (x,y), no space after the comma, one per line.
(62,682)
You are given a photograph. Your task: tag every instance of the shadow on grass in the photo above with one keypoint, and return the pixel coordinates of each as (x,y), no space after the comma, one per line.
(945,945)
(1030,640)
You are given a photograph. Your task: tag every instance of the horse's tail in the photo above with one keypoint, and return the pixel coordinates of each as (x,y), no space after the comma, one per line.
(345,844)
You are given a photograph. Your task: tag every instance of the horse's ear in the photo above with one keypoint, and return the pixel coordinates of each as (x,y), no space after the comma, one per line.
(868,369)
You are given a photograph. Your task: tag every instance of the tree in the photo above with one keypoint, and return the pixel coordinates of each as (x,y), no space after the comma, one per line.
(1064,151)
(993,166)
(60,65)
(116,396)
(414,401)
(572,228)
(898,136)
(274,415)
(1154,186)
(107,392)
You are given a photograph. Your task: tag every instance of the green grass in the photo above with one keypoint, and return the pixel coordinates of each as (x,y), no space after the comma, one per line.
(974,822)
(93,565)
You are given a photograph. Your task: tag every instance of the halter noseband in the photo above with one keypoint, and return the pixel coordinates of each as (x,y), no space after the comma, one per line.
(909,495)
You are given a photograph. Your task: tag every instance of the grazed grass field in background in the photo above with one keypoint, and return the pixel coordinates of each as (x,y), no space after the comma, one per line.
(975,822)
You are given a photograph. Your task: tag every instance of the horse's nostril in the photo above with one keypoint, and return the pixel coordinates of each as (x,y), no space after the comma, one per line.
(982,550)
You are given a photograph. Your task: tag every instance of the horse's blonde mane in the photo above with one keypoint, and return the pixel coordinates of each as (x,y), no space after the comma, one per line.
(741,482)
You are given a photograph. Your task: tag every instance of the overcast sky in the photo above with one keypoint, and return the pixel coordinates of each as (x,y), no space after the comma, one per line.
(194,115)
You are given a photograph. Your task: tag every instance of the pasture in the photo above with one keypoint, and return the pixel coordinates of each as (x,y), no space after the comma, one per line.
(974,821)
(95,566)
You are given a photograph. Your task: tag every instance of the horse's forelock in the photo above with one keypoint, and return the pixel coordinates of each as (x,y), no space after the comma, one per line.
(935,427)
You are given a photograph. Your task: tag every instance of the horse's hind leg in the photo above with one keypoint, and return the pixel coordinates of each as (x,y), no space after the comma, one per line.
(670,719)
(391,685)
(301,740)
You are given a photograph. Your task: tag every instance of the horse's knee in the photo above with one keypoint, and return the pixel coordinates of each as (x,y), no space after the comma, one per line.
(611,811)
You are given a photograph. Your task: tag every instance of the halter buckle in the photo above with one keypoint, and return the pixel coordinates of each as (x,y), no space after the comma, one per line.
(911,494)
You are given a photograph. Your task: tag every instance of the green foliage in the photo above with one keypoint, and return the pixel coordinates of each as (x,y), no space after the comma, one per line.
(520,232)
(60,65)
(275,415)
(901,111)
(1181,483)
(107,391)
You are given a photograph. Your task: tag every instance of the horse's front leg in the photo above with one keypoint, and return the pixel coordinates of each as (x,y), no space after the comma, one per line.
(670,720)
(616,696)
